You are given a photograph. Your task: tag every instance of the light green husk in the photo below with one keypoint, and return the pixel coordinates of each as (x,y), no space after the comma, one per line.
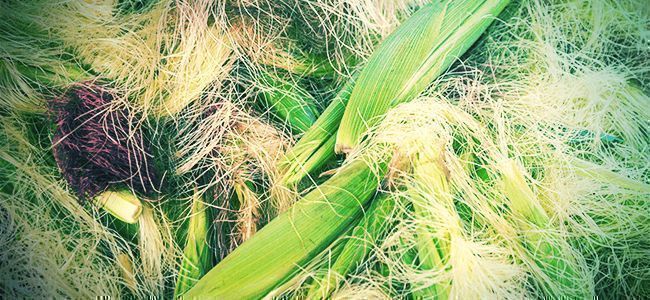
(355,249)
(432,251)
(288,102)
(417,52)
(536,230)
(196,255)
(316,146)
(274,254)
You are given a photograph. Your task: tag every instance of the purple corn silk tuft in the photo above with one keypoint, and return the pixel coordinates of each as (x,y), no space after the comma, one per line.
(95,145)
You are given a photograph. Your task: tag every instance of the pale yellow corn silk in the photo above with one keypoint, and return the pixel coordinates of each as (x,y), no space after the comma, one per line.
(347,29)
(361,291)
(422,127)
(249,210)
(240,149)
(579,65)
(597,191)
(162,59)
(158,252)
(50,259)
(423,132)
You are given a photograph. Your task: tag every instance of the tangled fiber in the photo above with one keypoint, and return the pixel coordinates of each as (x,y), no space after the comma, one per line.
(505,156)
(96,146)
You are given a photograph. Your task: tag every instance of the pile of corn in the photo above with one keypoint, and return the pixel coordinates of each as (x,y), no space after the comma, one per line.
(317,149)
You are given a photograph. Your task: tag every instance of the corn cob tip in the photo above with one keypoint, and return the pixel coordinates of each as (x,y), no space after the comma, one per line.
(123,205)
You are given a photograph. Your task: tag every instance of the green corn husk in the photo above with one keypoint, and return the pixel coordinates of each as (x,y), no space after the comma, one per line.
(123,205)
(602,174)
(196,255)
(289,57)
(417,52)
(319,264)
(275,253)
(316,147)
(546,251)
(288,102)
(313,65)
(432,252)
(59,76)
(356,248)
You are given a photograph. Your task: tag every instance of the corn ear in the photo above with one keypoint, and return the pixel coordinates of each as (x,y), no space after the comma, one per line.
(122,204)
(418,51)
(364,236)
(316,146)
(196,255)
(432,252)
(317,265)
(532,220)
(277,251)
(288,102)
(312,65)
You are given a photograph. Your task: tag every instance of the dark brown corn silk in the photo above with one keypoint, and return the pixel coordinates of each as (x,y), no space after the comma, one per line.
(96,145)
